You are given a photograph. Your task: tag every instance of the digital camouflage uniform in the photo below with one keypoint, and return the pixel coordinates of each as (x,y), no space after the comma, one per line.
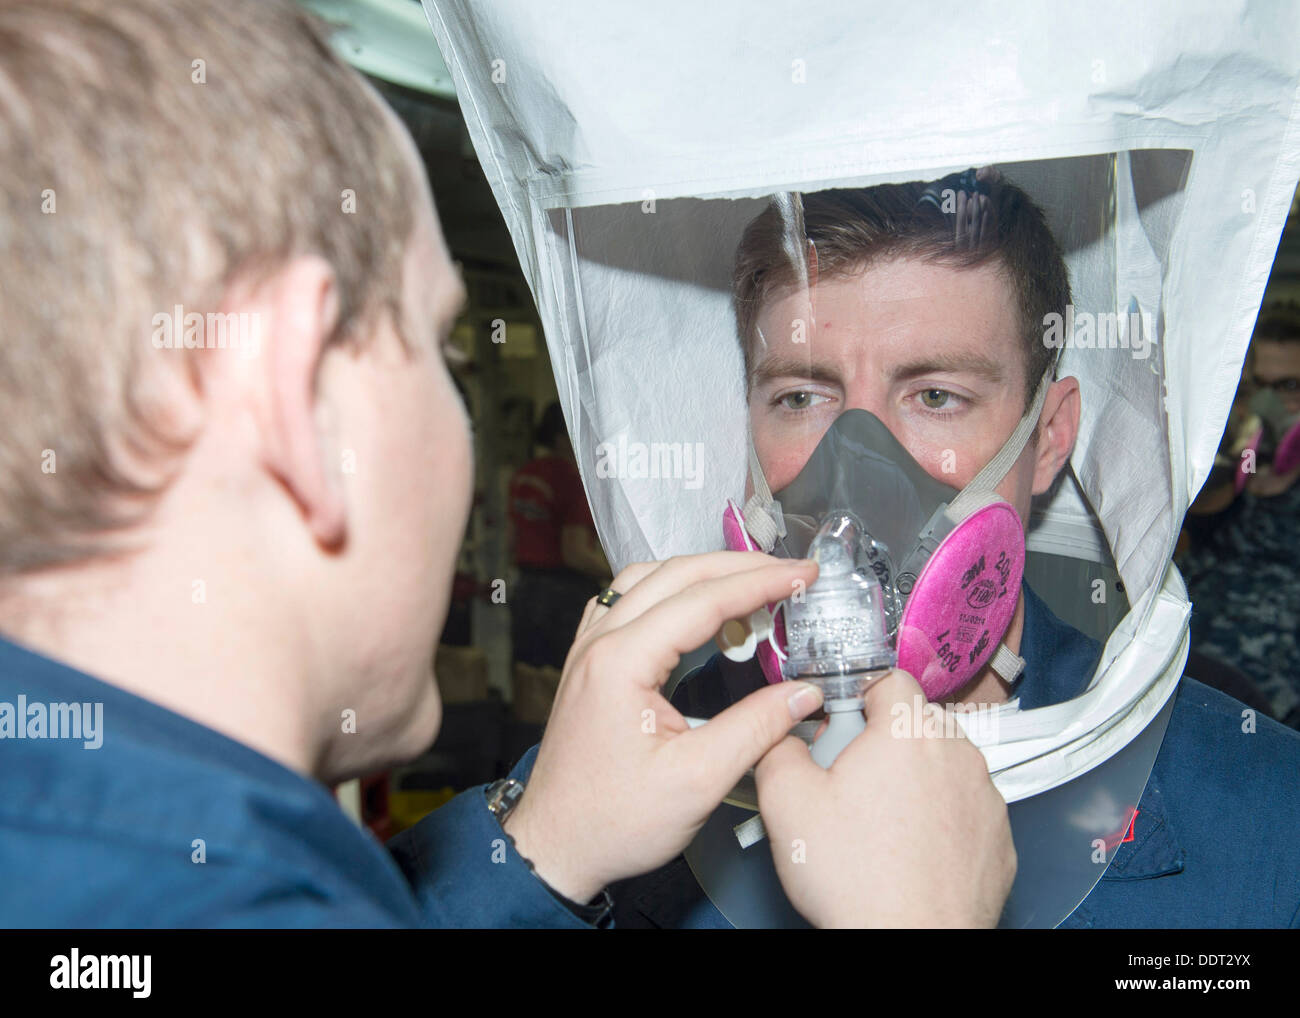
(1243,575)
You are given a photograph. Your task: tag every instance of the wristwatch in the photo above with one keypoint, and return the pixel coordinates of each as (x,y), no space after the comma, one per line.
(502,798)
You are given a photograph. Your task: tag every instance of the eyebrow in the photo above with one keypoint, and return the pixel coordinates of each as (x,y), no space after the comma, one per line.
(957,363)
(985,367)
(773,368)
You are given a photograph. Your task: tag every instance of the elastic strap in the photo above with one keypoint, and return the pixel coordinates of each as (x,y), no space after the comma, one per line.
(763,517)
(970,498)
(1007,663)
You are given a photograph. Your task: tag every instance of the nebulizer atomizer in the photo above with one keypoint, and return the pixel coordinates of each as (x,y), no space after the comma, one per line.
(837,631)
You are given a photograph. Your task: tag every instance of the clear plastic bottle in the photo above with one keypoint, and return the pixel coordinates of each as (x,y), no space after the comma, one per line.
(837,636)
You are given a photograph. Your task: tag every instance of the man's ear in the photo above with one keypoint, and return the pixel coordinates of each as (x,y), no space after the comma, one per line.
(1058,427)
(298,447)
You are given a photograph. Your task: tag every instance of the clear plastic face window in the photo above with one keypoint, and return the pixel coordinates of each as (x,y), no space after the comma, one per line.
(705,330)
(857,374)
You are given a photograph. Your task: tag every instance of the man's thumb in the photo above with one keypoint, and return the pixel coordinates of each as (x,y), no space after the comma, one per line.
(741,735)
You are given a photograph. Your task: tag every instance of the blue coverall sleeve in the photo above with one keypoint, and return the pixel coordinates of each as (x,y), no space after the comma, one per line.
(465,873)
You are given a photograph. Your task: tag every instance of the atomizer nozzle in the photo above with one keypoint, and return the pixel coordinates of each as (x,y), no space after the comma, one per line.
(738,639)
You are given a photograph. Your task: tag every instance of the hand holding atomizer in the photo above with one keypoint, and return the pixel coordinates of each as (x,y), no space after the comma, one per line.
(844,803)
(622,783)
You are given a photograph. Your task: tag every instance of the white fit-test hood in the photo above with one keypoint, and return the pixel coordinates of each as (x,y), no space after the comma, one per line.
(628,147)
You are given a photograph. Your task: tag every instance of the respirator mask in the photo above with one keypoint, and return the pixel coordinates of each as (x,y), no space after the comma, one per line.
(910,568)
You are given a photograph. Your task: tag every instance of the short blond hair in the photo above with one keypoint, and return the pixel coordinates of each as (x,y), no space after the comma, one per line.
(153,152)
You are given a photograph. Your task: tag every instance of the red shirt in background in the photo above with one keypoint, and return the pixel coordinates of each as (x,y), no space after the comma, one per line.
(546,495)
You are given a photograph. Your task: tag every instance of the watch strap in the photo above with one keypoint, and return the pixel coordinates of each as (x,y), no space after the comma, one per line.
(501,797)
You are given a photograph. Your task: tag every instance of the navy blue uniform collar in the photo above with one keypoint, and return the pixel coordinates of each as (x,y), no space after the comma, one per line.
(1059,660)
(1151,847)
